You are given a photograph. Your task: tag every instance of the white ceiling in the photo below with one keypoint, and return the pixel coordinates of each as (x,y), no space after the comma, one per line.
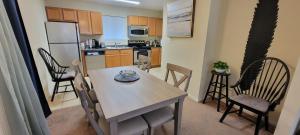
(145,4)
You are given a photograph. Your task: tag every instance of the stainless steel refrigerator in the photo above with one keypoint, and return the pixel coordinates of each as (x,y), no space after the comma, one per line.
(63,40)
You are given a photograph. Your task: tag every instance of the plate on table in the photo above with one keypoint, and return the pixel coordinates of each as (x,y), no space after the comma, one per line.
(127,76)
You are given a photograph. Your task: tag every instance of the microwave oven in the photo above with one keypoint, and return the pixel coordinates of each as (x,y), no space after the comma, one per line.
(138,31)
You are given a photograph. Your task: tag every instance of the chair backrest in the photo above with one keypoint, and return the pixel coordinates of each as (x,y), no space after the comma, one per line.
(54,68)
(270,84)
(144,63)
(81,88)
(85,104)
(77,66)
(187,74)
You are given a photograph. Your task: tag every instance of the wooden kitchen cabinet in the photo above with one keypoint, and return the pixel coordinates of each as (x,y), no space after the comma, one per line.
(133,20)
(158,27)
(69,15)
(84,20)
(155,56)
(151,26)
(117,58)
(96,21)
(126,57)
(143,21)
(54,14)
(137,20)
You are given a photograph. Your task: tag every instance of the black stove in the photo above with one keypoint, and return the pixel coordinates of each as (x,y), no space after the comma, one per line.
(138,45)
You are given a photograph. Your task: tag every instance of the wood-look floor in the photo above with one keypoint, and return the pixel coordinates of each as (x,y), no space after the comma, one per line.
(198,119)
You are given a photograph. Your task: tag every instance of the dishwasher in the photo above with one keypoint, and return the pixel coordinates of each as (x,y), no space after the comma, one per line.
(95,59)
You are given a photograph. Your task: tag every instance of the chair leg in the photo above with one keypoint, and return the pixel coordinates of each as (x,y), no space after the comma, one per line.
(145,132)
(240,111)
(73,88)
(54,91)
(258,120)
(215,89)
(226,112)
(207,91)
(151,131)
(267,122)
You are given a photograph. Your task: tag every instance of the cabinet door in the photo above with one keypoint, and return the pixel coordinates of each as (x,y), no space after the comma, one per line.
(159,25)
(54,14)
(133,20)
(112,61)
(69,15)
(96,19)
(84,19)
(112,58)
(126,57)
(151,26)
(143,20)
(155,56)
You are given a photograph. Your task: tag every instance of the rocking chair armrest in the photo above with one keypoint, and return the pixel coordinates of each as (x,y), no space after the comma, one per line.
(236,84)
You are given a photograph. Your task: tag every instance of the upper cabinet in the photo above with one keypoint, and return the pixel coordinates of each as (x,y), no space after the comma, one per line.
(54,14)
(96,20)
(137,20)
(154,24)
(90,23)
(133,20)
(69,15)
(143,20)
(151,26)
(84,20)
(158,27)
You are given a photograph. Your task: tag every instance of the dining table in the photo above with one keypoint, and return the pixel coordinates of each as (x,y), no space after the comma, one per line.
(124,100)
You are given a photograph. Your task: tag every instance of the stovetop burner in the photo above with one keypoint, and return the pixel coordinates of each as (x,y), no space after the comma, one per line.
(138,44)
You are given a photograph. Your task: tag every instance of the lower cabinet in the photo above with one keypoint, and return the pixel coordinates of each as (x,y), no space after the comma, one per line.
(155,56)
(117,58)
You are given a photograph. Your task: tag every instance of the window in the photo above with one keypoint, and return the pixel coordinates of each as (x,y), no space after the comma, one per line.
(115,28)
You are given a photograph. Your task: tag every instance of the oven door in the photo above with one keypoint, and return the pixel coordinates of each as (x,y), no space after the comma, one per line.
(138,31)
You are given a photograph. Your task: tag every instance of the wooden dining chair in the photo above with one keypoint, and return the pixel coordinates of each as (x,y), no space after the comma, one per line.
(161,116)
(133,126)
(85,105)
(78,68)
(144,63)
(266,89)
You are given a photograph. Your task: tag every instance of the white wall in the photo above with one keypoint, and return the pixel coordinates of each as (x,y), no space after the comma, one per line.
(290,114)
(34,16)
(188,52)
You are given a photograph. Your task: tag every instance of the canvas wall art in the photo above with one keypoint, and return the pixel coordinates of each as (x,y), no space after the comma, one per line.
(180,18)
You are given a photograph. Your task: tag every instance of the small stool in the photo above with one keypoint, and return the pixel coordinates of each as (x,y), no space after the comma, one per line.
(218,83)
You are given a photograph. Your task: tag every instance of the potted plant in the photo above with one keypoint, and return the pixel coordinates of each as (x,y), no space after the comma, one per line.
(220,66)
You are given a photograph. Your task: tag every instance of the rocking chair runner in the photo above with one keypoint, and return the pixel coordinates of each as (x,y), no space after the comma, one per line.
(58,73)
(266,91)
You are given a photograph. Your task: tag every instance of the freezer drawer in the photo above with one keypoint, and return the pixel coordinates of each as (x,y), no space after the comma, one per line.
(95,62)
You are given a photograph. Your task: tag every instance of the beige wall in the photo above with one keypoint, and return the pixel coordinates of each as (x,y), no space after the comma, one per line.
(188,52)
(290,115)
(33,15)
(103,8)
(235,27)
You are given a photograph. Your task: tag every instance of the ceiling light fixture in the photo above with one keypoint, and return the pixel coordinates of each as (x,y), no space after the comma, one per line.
(130,2)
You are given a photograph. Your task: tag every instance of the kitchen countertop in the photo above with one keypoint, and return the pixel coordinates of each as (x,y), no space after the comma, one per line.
(107,48)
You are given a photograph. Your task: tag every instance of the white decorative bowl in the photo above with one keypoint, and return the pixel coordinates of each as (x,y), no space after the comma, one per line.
(220,70)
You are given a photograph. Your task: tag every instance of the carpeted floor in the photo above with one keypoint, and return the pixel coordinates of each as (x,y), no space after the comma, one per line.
(198,119)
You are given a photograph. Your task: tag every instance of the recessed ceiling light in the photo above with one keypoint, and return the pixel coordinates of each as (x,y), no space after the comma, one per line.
(130,2)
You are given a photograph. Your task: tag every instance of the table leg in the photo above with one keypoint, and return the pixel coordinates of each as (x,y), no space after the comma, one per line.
(113,127)
(178,115)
